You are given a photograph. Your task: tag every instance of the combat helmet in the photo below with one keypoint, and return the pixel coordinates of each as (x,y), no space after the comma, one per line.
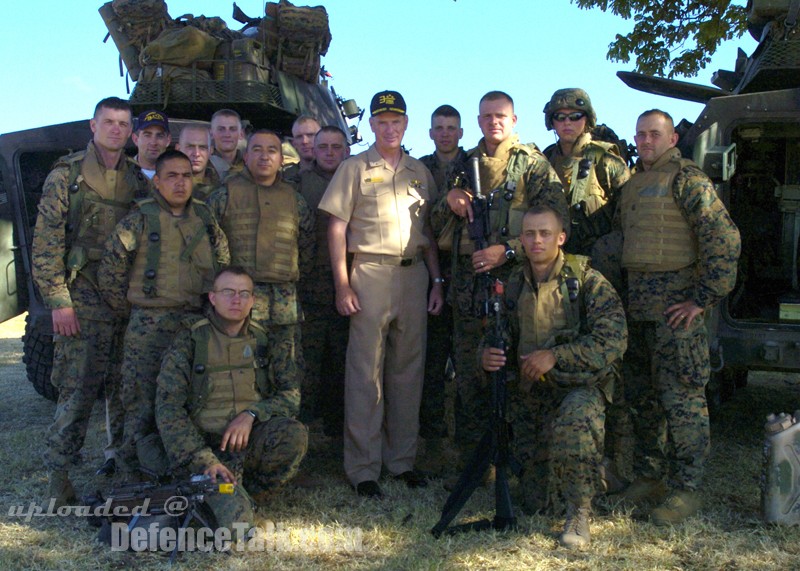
(570,98)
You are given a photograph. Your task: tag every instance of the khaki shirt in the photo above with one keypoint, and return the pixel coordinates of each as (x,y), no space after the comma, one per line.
(385,209)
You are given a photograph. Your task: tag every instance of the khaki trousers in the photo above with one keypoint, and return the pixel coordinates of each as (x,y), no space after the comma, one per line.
(384,369)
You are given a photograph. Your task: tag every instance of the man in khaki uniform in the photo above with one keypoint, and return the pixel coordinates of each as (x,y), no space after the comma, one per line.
(378,202)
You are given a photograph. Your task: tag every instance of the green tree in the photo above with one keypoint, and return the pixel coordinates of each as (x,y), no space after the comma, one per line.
(678,36)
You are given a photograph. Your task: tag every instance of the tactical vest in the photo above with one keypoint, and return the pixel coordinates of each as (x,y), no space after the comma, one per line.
(555,315)
(552,315)
(579,175)
(229,374)
(262,226)
(97,201)
(657,236)
(175,263)
(508,204)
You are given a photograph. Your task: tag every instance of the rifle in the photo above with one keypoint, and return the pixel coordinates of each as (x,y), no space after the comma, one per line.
(494,448)
(180,503)
(479,230)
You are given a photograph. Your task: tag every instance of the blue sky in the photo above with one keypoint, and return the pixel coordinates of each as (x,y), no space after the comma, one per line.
(433,51)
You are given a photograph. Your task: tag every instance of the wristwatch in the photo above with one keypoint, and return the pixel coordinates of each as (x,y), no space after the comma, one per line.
(511,255)
(252,413)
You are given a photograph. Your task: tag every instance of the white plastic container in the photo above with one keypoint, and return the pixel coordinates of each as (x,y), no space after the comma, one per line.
(780,476)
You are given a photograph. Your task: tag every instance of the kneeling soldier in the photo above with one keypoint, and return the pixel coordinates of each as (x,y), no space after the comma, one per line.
(566,333)
(224,408)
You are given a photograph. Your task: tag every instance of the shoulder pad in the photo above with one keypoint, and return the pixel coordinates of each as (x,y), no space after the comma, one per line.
(197,203)
(68,160)
(256,328)
(142,201)
(527,148)
(195,322)
(603,146)
(578,264)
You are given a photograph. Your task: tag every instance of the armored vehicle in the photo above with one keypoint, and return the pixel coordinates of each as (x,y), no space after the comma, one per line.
(747,139)
(269,72)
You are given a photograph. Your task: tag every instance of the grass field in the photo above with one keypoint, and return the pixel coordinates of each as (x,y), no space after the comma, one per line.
(394,533)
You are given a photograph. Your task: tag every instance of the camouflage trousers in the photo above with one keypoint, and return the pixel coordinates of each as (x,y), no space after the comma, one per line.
(82,366)
(666,372)
(432,422)
(473,403)
(324,350)
(558,439)
(272,458)
(150,332)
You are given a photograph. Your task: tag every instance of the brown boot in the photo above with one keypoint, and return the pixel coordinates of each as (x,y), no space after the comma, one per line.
(576,528)
(676,508)
(61,489)
(642,491)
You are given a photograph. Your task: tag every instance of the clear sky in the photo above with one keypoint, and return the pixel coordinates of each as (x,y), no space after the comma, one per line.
(56,67)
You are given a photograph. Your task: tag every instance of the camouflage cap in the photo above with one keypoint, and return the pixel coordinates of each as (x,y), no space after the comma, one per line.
(569,98)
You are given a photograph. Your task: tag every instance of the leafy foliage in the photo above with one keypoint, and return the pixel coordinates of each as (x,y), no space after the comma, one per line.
(675,35)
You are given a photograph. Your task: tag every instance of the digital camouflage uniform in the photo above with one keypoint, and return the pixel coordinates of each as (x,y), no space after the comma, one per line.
(432,422)
(197,398)
(63,239)
(325,332)
(667,370)
(184,252)
(223,168)
(558,426)
(203,186)
(594,174)
(527,178)
(277,306)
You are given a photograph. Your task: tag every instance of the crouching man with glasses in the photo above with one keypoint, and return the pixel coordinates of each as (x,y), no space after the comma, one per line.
(222,406)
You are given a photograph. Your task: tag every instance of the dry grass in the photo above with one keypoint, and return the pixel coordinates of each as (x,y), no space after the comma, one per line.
(729,534)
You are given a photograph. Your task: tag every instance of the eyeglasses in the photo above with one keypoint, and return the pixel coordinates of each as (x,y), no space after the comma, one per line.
(229,293)
(574,116)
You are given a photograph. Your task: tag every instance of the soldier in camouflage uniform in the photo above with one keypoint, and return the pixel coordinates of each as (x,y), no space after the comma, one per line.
(680,251)
(225,406)
(84,196)
(195,142)
(522,176)
(226,131)
(161,259)
(446,163)
(324,330)
(270,231)
(592,173)
(566,334)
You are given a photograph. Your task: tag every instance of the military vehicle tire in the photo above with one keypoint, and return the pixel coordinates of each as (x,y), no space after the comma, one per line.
(37,354)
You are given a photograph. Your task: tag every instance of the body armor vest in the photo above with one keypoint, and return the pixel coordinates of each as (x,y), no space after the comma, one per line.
(509,203)
(657,236)
(262,226)
(578,174)
(228,375)
(98,199)
(552,315)
(175,262)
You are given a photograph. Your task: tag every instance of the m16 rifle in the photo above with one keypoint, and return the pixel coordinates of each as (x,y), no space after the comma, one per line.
(494,446)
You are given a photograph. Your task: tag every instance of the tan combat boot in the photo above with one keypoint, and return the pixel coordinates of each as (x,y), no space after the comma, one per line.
(61,489)
(576,529)
(642,491)
(676,508)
